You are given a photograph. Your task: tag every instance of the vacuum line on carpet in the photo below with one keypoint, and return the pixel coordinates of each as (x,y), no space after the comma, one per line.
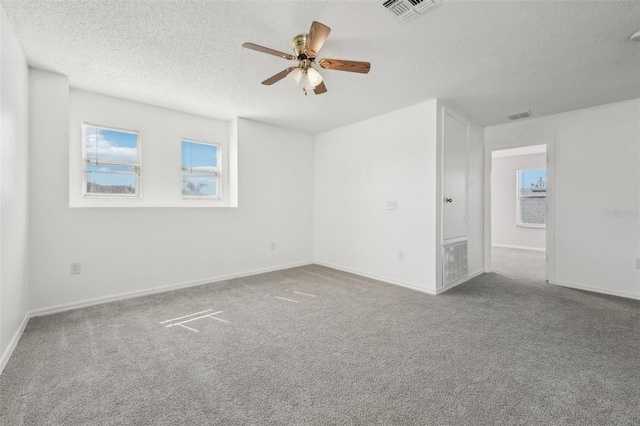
(225,321)
(186,316)
(284,298)
(188,328)
(193,319)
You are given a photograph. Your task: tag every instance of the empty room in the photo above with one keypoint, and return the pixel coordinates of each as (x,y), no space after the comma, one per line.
(393,212)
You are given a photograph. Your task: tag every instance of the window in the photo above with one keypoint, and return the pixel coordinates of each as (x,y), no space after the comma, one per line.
(531,209)
(111,161)
(200,170)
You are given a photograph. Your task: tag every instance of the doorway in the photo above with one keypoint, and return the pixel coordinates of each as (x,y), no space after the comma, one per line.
(518,203)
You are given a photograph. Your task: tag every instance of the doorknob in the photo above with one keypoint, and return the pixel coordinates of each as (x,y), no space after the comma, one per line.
(448,200)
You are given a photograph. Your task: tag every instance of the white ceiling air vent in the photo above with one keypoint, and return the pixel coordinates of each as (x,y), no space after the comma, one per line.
(403,10)
(520,115)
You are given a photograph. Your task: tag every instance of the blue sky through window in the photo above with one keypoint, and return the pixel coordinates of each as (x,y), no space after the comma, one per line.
(197,155)
(199,164)
(111,145)
(111,175)
(533,178)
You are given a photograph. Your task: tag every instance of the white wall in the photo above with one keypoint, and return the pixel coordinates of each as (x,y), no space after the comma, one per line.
(14,190)
(504,230)
(358,168)
(393,157)
(129,250)
(597,170)
(161,131)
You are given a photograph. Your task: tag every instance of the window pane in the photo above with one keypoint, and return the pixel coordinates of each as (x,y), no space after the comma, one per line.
(111,179)
(533,211)
(532,183)
(199,169)
(199,184)
(532,201)
(111,145)
(199,156)
(111,161)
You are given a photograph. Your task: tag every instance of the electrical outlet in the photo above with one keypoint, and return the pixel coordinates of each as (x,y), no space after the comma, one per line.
(400,254)
(273,246)
(75,268)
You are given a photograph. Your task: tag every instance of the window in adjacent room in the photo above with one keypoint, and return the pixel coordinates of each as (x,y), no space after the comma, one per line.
(201,170)
(111,162)
(531,209)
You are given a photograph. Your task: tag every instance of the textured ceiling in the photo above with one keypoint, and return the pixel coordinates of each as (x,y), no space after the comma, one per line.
(487,59)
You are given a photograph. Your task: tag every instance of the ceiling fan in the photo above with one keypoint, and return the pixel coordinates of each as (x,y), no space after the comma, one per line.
(306,48)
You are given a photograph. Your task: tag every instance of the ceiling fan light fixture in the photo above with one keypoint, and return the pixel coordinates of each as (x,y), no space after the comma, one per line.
(296,75)
(306,84)
(314,77)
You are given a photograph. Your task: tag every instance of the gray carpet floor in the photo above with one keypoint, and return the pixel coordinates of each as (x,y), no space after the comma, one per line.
(341,350)
(520,265)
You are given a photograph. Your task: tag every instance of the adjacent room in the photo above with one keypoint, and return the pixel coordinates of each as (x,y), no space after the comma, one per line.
(400,212)
(519,211)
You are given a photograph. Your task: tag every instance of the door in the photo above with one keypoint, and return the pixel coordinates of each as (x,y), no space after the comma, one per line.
(455,133)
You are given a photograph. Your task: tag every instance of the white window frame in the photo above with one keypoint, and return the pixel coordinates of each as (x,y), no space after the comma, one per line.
(217,172)
(519,222)
(86,161)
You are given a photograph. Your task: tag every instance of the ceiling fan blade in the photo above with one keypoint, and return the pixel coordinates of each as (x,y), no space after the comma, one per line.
(318,33)
(343,65)
(268,51)
(282,74)
(320,89)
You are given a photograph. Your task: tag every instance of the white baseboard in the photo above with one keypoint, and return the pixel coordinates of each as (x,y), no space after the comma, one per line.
(91,302)
(375,277)
(518,247)
(122,296)
(14,342)
(100,300)
(596,290)
(460,281)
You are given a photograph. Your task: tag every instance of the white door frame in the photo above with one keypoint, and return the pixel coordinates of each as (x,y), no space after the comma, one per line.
(551,182)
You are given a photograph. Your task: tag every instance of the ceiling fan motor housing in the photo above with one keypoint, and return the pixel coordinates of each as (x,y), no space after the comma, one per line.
(299,44)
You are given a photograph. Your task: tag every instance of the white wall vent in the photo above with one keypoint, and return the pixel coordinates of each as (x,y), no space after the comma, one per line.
(403,10)
(520,115)
(454,262)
